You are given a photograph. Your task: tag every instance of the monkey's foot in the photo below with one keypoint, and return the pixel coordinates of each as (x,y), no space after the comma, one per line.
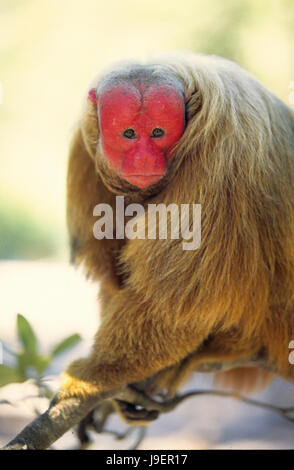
(135,414)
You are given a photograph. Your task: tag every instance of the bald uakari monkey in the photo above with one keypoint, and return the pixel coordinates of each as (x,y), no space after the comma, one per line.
(186,129)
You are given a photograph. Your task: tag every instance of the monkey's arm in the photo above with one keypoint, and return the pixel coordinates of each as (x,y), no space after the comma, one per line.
(132,343)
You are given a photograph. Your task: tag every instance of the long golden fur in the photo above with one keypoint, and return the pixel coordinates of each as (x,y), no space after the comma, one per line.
(230,303)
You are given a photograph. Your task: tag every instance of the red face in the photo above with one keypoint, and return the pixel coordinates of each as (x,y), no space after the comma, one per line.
(138,125)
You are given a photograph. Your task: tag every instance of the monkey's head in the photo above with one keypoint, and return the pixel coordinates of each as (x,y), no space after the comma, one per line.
(141,116)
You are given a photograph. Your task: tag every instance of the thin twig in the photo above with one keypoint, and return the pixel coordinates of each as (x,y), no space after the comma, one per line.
(166,406)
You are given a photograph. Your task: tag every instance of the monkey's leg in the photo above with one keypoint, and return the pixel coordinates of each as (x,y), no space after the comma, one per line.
(219,354)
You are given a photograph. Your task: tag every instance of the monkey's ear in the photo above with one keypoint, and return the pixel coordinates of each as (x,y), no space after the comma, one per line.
(89,123)
(92,96)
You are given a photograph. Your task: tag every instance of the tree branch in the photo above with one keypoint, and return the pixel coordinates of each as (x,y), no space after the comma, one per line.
(51,425)
(62,416)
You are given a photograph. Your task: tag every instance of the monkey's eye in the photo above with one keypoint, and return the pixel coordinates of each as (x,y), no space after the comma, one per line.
(129,133)
(157,133)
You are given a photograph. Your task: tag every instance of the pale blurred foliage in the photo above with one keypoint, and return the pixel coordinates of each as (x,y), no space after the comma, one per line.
(51,49)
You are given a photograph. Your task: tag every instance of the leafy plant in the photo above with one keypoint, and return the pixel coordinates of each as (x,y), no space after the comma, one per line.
(30,363)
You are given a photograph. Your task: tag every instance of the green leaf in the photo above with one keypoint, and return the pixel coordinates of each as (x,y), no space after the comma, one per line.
(28,361)
(26,335)
(65,344)
(9,375)
(24,362)
(41,363)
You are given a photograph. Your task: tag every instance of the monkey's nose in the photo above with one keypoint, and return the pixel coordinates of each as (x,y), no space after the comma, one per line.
(147,163)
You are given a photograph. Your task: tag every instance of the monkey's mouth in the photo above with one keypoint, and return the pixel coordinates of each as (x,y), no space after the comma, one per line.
(142,181)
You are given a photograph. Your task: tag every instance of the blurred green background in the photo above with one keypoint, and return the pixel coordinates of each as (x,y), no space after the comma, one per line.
(51,49)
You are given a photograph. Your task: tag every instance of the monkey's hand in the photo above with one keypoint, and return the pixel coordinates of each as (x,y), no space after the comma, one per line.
(81,380)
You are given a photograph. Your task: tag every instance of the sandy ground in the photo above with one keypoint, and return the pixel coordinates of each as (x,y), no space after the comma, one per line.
(58,301)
